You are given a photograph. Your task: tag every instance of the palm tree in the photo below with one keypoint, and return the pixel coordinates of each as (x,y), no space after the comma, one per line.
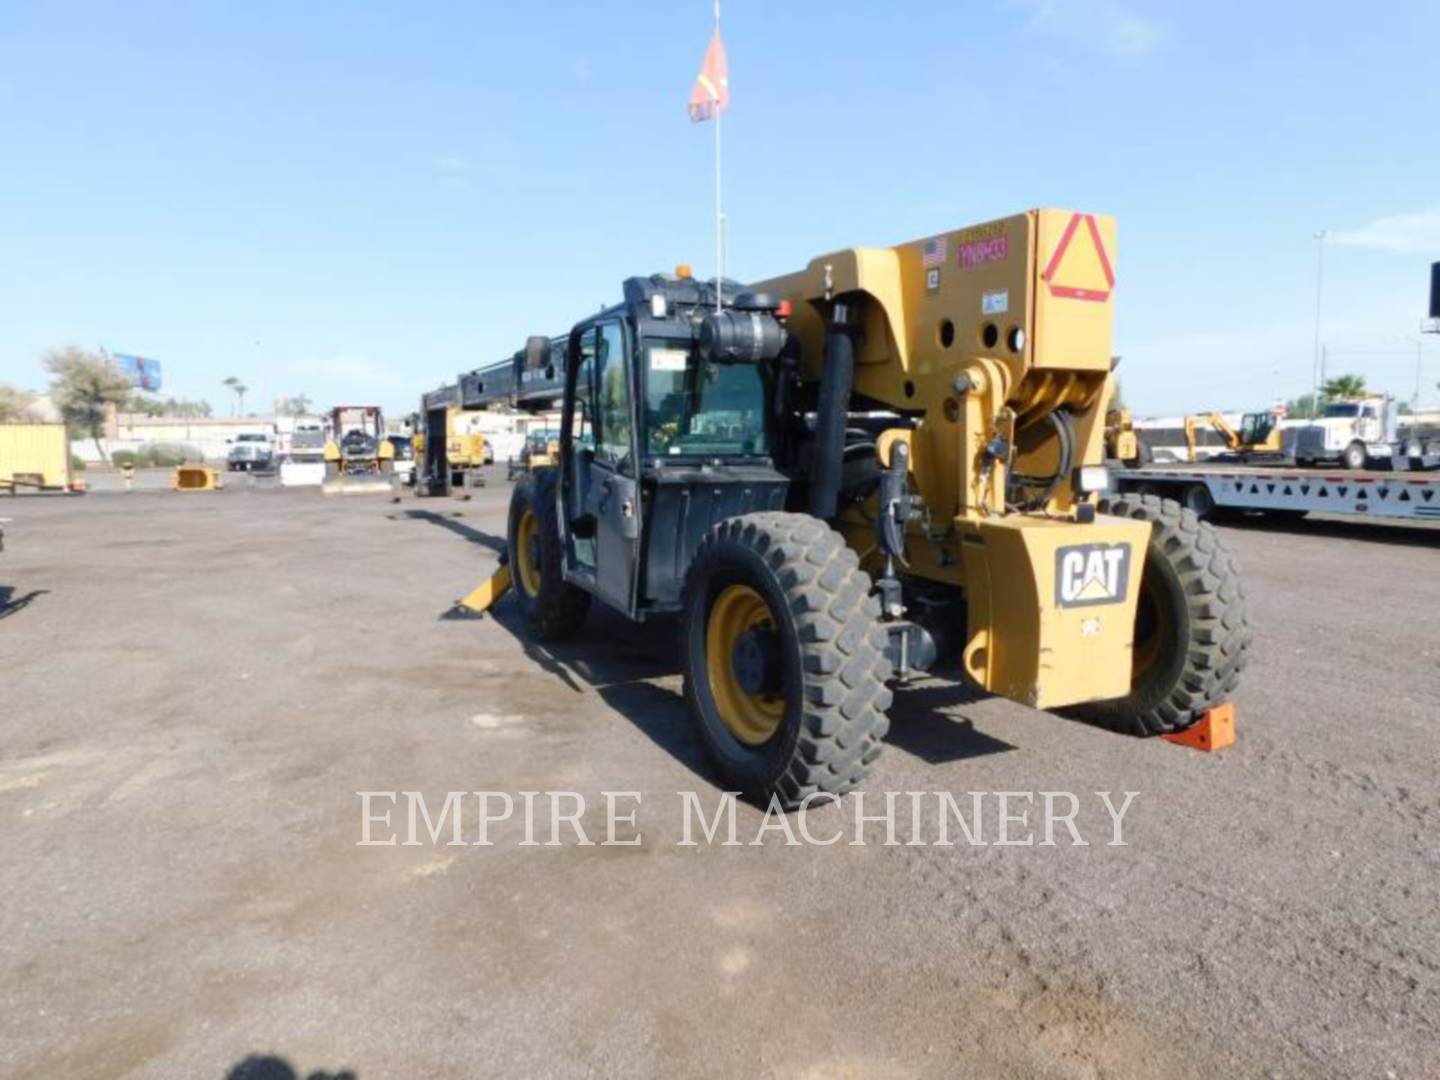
(1344,386)
(240,389)
(232,384)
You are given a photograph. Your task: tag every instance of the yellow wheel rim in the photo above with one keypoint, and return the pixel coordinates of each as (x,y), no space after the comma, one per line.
(527,555)
(751,718)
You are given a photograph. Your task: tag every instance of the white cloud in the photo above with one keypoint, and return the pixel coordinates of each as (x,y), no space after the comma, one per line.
(1400,234)
(1098,24)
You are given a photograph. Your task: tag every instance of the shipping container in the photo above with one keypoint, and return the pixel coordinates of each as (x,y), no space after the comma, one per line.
(34,457)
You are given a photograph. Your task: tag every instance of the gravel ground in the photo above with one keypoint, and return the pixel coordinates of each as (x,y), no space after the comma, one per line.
(198,685)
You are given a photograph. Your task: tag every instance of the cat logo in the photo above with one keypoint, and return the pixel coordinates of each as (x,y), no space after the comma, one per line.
(1087,574)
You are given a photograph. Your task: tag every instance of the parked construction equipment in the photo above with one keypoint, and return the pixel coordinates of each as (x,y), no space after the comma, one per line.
(1122,441)
(302,463)
(1258,438)
(886,462)
(358,457)
(196,478)
(449,446)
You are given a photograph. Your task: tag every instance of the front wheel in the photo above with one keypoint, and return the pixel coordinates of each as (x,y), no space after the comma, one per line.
(551,607)
(785,658)
(1192,625)
(1355,457)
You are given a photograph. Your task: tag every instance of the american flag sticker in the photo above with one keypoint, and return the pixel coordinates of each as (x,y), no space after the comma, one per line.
(933,253)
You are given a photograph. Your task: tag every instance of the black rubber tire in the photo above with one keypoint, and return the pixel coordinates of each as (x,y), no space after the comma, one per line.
(1206,618)
(833,648)
(1197,498)
(1354,457)
(559,609)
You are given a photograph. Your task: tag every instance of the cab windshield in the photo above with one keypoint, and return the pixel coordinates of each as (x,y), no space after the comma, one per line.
(1341,411)
(694,407)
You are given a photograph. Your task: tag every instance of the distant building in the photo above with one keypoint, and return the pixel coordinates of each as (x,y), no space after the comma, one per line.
(205,438)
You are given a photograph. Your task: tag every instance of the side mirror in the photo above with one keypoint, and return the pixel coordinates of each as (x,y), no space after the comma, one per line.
(537,353)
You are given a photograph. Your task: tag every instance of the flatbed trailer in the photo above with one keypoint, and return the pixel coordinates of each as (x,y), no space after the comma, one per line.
(1286,491)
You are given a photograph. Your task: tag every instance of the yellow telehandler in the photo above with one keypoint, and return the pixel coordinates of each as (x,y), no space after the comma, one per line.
(887,462)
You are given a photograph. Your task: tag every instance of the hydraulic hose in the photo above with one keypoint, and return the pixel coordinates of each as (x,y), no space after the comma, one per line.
(832,411)
(1065,435)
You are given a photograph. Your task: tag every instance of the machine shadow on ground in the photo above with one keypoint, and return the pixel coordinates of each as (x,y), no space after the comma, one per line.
(452,522)
(271,1067)
(634,668)
(10,604)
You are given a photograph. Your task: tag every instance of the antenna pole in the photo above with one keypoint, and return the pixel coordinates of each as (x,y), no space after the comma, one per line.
(719,212)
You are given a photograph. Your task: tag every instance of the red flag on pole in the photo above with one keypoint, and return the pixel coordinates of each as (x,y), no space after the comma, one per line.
(711,95)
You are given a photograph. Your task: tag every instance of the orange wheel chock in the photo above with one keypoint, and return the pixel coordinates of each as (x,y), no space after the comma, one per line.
(1213,731)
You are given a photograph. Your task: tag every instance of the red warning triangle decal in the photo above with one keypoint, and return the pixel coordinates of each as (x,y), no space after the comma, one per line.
(1080,270)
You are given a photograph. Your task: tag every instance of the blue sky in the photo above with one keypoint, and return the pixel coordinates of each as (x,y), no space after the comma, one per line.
(356,201)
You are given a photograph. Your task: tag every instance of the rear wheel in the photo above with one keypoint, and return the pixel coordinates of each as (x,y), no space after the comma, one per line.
(551,607)
(785,657)
(1192,626)
(1197,498)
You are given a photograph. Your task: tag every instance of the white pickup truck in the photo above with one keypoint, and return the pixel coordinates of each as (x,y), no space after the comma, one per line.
(251,451)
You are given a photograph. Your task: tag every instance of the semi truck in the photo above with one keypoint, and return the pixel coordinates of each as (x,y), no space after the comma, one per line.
(1360,433)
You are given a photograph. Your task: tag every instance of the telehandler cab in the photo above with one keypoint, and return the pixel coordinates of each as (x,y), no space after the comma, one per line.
(887,462)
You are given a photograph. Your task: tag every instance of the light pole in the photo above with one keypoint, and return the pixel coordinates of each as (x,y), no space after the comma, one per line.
(1318,360)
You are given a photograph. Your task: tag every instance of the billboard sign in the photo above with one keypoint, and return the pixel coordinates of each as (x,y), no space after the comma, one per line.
(144,373)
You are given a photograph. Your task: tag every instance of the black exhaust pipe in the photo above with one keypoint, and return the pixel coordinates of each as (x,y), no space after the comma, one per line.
(832,411)
(1435,290)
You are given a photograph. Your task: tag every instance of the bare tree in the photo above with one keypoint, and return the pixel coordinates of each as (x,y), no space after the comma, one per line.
(298,405)
(14,403)
(86,384)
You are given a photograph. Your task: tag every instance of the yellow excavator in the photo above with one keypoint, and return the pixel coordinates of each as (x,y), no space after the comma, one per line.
(1258,440)
(887,462)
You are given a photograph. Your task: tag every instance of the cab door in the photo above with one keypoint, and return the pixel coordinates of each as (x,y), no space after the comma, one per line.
(602,494)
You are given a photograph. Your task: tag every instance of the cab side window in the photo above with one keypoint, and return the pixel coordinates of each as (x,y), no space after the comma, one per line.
(612,386)
(581,422)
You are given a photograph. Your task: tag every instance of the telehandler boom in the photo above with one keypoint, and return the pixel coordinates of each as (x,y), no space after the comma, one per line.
(886,462)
